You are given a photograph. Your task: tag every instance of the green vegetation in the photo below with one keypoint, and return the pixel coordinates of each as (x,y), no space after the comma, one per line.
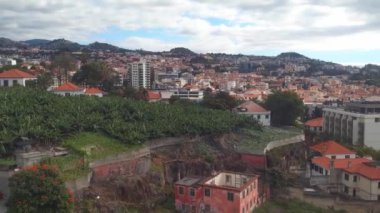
(97,74)
(285,107)
(69,167)
(86,147)
(7,161)
(255,141)
(39,188)
(49,118)
(220,100)
(97,146)
(291,206)
(367,151)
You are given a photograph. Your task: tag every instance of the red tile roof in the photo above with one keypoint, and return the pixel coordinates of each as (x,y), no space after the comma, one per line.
(251,107)
(370,170)
(316,122)
(331,147)
(93,90)
(68,87)
(153,95)
(15,73)
(338,163)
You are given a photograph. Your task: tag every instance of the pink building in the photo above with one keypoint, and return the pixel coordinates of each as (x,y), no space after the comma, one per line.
(225,192)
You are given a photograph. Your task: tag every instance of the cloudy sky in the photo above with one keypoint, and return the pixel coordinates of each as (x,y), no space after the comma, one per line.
(344,31)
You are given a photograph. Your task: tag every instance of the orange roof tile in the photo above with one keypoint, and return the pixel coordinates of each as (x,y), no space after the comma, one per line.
(15,73)
(68,87)
(153,95)
(331,147)
(370,170)
(251,107)
(338,163)
(316,122)
(93,90)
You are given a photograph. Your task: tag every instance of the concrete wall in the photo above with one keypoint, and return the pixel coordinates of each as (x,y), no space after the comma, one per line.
(29,158)
(79,183)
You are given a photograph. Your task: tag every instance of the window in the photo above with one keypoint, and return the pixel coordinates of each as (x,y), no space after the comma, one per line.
(347,156)
(228,178)
(378,185)
(346,189)
(267,116)
(230,196)
(346,176)
(355,178)
(180,190)
(258,116)
(192,192)
(193,209)
(15,82)
(207,192)
(6,83)
(333,157)
(377,120)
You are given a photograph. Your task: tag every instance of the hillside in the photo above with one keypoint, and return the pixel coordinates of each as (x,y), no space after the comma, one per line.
(49,118)
(181,51)
(103,47)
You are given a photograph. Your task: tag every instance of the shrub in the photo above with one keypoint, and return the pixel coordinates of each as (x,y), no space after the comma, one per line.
(38,188)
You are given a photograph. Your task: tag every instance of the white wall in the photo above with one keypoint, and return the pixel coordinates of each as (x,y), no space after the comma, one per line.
(20,81)
(366,189)
(262,117)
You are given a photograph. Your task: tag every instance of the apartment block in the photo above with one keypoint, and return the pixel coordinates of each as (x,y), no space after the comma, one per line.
(139,74)
(357,123)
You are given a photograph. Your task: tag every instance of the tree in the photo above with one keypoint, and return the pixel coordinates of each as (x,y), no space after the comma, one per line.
(220,100)
(39,189)
(97,74)
(63,63)
(285,107)
(44,81)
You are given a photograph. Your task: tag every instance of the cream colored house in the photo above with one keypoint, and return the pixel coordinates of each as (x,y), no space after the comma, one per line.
(362,181)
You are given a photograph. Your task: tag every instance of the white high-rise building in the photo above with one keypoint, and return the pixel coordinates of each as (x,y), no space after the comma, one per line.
(358,123)
(139,74)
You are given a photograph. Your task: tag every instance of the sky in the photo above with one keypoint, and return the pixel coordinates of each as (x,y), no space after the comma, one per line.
(342,31)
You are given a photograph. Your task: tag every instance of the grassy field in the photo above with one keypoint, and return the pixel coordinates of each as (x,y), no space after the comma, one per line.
(86,147)
(97,146)
(291,206)
(255,141)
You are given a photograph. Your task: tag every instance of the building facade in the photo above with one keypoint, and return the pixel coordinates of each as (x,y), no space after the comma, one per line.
(255,111)
(139,74)
(15,77)
(362,181)
(224,192)
(358,123)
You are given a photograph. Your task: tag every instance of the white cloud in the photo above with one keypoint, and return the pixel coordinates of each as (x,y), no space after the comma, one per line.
(252,24)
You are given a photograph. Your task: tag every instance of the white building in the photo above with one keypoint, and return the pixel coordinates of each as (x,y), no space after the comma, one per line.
(70,89)
(255,111)
(187,94)
(358,123)
(139,74)
(15,77)
(362,181)
(7,62)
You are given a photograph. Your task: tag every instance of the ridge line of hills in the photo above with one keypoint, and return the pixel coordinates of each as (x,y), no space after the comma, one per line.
(311,66)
